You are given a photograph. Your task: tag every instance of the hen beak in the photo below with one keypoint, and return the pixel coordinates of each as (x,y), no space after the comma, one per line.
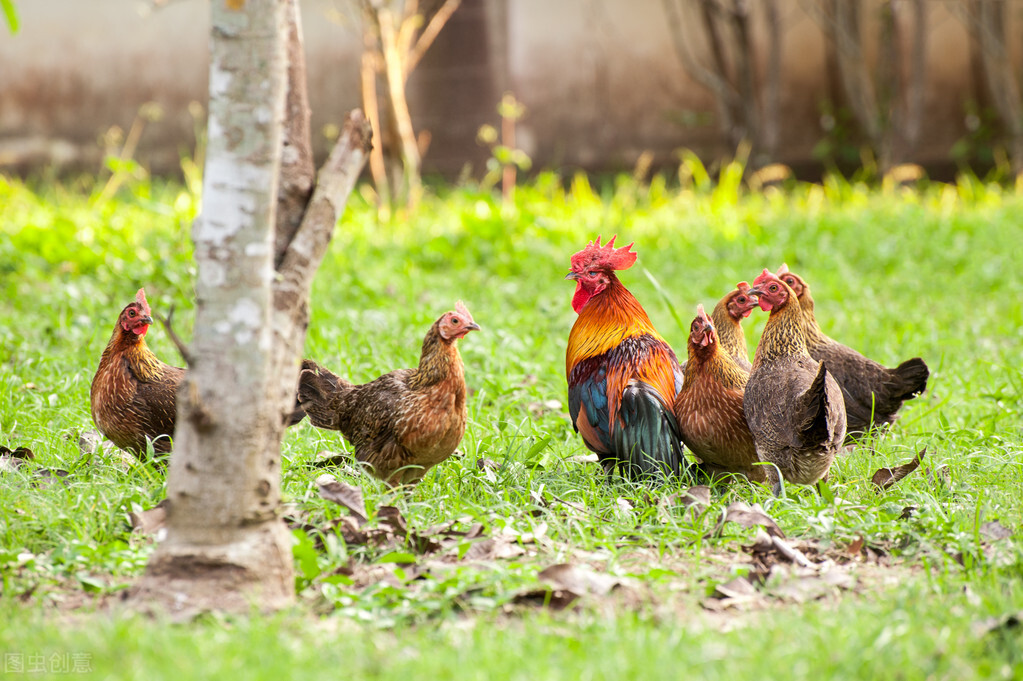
(571,275)
(472,327)
(147,320)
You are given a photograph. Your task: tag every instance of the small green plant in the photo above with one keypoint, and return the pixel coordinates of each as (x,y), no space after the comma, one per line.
(505,159)
(10,14)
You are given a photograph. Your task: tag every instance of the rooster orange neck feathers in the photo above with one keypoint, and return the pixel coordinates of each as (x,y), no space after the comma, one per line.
(605,321)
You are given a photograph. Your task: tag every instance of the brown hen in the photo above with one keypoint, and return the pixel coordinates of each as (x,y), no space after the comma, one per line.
(793,405)
(873,393)
(133,393)
(709,406)
(728,315)
(406,421)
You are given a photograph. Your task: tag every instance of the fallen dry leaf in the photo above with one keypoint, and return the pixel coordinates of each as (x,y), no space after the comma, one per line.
(994,530)
(748,516)
(697,495)
(736,593)
(555,599)
(343,494)
(584,458)
(800,587)
(766,544)
(886,477)
(391,518)
(739,587)
(1002,624)
(89,441)
(579,580)
(45,477)
(855,547)
(23,453)
(493,549)
(149,521)
(11,461)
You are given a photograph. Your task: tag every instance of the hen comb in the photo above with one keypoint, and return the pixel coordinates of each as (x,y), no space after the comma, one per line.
(140,298)
(606,256)
(461,309)
(700,311)
(784,269)
(743,286)
(764,276)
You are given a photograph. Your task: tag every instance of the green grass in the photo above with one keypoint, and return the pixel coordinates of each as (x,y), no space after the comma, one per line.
(895,275)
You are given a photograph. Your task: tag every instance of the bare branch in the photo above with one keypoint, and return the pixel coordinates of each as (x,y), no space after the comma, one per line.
(772,81)
(297,169)
(917,73)
(720,88)
(334,183)
(186,354)
(429,34)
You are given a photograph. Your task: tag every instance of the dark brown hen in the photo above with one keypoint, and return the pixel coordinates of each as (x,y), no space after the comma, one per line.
(133,395)
(406,421)
(709,406)
(873,393)
(793,406)
(728,315)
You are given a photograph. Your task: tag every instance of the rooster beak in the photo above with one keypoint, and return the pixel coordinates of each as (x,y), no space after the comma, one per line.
(571,275)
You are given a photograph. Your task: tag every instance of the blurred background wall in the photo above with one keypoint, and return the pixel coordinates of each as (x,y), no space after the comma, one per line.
(809,82)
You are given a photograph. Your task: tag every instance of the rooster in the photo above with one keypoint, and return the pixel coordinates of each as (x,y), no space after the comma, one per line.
(622,376)
(709,406)
(728,315)
(873,393)
(133,393)
(406,421)
(793,405)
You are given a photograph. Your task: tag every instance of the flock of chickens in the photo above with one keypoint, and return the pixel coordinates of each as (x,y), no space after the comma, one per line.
(785,416)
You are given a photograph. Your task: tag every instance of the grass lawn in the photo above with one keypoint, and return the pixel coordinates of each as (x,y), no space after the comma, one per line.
(921,581)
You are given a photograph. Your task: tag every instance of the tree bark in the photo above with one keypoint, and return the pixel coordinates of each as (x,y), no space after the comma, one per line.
(226,546)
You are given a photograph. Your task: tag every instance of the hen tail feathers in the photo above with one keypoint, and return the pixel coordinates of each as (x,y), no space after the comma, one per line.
(813,411)
(318,393)
(910,378)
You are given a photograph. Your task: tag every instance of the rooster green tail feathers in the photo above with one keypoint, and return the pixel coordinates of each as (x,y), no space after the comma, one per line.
(648,442)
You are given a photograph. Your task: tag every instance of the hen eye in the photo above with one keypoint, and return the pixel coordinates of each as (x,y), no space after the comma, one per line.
(131,313)
(741,300)
(774,288)
(454,320)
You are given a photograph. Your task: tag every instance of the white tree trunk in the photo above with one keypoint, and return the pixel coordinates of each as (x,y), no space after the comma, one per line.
(226,547)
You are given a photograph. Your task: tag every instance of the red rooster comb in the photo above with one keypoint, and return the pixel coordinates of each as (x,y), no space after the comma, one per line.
(140,298)
(595,256)
(765,276)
